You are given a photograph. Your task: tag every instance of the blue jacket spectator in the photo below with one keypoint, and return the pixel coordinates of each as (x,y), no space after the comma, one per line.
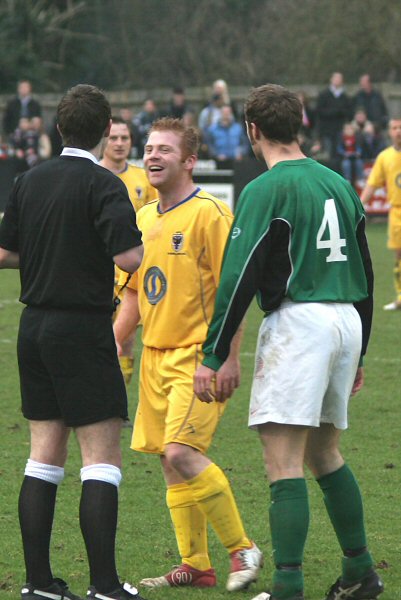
(226,139)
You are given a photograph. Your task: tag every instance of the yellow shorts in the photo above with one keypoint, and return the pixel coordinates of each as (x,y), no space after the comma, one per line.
(394,228)
(168,410)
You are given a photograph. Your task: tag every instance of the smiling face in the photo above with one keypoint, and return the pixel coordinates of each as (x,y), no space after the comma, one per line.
(164,161)
(118,144)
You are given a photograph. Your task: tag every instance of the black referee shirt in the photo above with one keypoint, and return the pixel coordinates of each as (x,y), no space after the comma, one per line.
(67,218)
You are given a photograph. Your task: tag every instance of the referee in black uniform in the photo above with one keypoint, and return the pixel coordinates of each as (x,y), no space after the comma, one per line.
(66,223)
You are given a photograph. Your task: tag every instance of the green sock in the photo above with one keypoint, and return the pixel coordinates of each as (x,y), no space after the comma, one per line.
(289,521)
(343,501)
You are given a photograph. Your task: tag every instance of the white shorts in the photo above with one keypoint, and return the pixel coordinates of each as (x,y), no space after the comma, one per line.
(305,364)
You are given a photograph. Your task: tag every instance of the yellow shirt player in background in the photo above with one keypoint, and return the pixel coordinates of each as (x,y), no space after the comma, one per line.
(184,235)
(387,172)
(140,191)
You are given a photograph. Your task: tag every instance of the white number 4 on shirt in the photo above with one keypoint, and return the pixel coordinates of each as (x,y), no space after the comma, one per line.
(334,243)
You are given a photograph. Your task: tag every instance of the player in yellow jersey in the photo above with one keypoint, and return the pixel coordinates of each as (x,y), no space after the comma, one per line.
(387,172)
(140,191)
(115,157)
(184,236)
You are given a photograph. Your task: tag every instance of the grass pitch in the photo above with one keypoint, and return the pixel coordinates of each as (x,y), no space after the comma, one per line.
(146,544)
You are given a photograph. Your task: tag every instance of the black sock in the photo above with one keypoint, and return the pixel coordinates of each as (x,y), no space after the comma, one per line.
(98,519)
(36,504)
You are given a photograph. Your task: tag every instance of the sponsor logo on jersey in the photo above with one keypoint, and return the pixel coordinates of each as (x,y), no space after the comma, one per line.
(139,192)
(236,233)
(177,241)
(154,284)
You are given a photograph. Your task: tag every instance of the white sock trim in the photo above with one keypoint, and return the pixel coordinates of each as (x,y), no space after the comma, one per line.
(102,472)
(49,473)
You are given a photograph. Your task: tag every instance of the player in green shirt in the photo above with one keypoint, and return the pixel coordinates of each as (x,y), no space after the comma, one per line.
(298,242)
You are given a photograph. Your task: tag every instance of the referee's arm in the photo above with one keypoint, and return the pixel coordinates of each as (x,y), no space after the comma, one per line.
(130,260)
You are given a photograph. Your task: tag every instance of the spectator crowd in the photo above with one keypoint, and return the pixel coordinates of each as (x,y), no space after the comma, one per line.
(338,129)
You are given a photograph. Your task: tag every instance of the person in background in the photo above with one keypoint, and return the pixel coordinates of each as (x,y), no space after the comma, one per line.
(307,137)
(220,87)
(29,142)
(372,142)
(178,105)
(333,109)
(115,158)
(372,101)
(350,153)
(387,172)
(226,140)
(360,121)
(142,123)
(24,142)
(23,105)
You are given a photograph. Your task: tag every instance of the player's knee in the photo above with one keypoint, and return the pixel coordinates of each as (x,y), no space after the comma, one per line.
(327,460)
(177,455)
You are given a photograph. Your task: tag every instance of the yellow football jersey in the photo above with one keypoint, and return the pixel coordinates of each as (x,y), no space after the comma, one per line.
(180,271)
(139,189)
(387,172)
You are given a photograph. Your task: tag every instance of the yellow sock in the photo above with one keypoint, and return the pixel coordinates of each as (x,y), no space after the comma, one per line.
(190,526)
(127,367)
(213,493)
(397,279)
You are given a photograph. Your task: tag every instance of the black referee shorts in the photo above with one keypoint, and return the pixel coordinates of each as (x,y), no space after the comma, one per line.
(69,367)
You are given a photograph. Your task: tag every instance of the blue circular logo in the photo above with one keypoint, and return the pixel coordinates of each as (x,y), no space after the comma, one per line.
(154,284)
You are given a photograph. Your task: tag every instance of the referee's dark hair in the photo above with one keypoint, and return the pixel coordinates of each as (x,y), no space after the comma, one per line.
(83,115)
(276,111)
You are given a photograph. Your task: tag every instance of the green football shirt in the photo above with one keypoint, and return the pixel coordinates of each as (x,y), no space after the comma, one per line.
(298,233)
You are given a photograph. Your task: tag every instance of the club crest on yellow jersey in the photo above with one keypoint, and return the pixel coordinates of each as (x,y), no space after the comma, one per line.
(177,241)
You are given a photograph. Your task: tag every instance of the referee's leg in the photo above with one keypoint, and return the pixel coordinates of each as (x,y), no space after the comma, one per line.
(100,474)
(44,471)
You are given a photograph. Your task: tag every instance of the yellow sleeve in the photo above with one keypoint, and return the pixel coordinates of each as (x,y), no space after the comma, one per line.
(377,177)
(132,283)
